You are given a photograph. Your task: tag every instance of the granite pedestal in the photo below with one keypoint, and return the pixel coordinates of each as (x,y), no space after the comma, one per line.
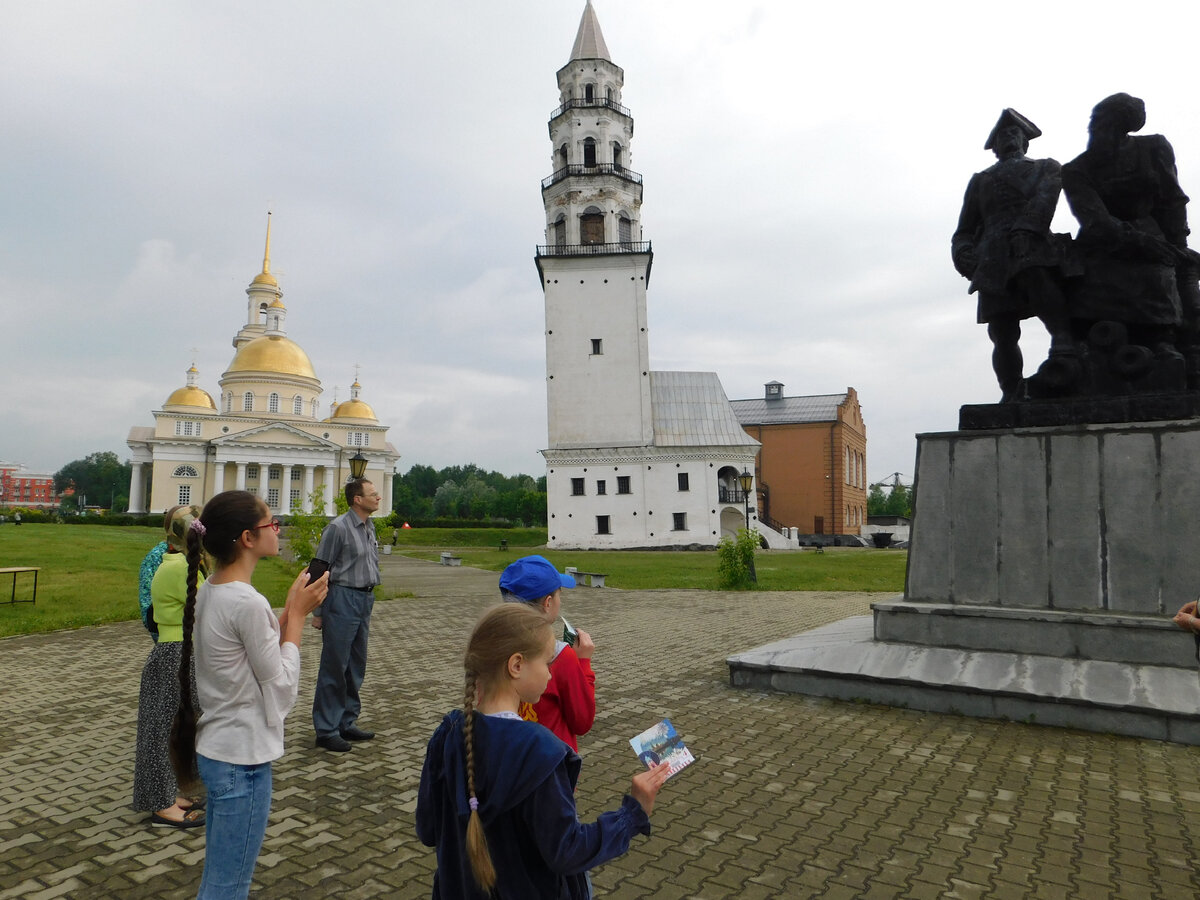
(1045,566)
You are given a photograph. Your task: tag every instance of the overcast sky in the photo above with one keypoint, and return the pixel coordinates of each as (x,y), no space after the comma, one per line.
(804,165)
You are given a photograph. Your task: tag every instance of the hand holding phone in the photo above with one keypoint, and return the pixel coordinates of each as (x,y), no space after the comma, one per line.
(316,569)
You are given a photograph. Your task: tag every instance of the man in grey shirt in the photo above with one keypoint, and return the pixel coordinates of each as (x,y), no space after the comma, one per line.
(348,545)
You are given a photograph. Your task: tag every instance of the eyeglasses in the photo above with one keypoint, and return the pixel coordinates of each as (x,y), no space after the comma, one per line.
(273,525)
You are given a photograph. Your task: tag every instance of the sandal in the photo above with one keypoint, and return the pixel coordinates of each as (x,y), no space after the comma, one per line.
(192,803)
(191,819)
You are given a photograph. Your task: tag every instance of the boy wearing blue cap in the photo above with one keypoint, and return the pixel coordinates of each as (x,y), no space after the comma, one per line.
(568,705)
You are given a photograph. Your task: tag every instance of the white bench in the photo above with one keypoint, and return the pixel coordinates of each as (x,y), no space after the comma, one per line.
(594,579)
(449,559)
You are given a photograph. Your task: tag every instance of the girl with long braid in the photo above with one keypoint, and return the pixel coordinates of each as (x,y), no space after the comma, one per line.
(247,665)
(497,794)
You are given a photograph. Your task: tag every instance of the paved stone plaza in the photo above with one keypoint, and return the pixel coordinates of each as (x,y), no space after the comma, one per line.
(790,797)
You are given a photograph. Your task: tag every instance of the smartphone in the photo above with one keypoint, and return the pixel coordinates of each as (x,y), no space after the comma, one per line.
(316,569)
(570,635)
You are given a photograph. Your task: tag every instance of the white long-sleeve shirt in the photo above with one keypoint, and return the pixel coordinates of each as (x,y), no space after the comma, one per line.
(246,680)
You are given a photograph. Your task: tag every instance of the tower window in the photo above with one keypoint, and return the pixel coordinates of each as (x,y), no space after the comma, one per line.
(680,521)
(273,403)
(589,92)
(683,480)
(562,156)
(602,525)
(624,230)
(589,152)
(617,161)
(229,401)
(601,487)
(297,405)
(591,228)
(597,346)
(623,484)
(314,408)
(560,232)
(576,487)
(247,402)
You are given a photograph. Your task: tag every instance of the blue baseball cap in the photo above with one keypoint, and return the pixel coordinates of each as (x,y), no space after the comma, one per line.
(533,577)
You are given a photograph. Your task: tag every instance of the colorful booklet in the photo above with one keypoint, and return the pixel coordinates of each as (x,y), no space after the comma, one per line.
(660,743)
(570,634)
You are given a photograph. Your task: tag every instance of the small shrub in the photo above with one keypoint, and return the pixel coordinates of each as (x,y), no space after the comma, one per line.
(735,561)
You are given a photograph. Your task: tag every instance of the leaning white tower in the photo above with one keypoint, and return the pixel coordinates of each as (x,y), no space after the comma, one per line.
(595,265)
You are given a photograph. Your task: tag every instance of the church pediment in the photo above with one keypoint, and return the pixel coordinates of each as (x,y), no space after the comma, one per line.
(275,434)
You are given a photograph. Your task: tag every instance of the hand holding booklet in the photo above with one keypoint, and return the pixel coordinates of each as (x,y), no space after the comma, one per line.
(662,743)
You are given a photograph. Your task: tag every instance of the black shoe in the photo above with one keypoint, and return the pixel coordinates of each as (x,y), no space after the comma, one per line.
(332,742)
(357,734)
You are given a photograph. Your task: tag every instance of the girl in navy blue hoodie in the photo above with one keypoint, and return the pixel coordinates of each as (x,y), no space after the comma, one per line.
(497,795)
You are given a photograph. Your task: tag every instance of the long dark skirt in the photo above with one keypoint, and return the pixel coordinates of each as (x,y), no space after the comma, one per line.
(154,785)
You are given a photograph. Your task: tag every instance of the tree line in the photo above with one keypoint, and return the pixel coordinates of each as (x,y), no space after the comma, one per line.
(423,493)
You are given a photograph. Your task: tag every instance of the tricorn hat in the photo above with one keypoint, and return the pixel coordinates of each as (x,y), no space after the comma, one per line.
(1011,117)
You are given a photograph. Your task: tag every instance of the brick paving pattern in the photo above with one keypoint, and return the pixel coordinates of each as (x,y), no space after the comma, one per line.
(790,797)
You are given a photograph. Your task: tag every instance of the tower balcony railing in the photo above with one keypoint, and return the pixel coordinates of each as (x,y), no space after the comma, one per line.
(598,169)
(593,249)
(581,103)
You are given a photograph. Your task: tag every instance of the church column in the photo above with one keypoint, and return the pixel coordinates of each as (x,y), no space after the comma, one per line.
(386,490)
(240,483)
(219,477)
(137,491)
(306,500)
(331,490)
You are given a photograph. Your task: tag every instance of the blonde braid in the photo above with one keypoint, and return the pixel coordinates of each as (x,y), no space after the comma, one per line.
(477,848)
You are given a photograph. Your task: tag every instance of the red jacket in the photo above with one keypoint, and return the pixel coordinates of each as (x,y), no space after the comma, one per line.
(568,708)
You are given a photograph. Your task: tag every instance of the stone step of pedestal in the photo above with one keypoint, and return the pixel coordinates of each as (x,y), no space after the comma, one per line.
(1081,634)
(844,661)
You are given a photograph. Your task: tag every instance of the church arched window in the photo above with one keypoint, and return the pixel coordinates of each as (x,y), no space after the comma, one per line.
(589,92)
(314,408)
(248,402)
(560,231)
(273,402)
(562,156)
(618,160)
(589,151)
(186,472)
(229,401)
(297,405)
(624,229)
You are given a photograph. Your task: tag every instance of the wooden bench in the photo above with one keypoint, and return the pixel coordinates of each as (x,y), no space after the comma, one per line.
(594,579)
(14,571)
(449,559)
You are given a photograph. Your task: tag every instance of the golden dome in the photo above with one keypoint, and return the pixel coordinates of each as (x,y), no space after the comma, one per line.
(265,278)
(190,395)
(354,409)
(272,354)
(277,303)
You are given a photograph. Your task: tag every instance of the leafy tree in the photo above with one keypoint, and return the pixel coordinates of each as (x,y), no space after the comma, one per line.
(896,502)
(101,477)
(876,501)
(304,529)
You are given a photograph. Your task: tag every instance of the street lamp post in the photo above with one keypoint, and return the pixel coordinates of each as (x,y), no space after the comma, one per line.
(358,465)
(746,481)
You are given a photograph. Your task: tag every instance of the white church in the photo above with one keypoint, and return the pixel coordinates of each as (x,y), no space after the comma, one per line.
(636,458)
(267,436)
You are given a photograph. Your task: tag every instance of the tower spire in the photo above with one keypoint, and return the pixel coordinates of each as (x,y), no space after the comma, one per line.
(267,252)
(589,41)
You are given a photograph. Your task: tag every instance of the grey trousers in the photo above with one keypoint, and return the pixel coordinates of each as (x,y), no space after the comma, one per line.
(345,625)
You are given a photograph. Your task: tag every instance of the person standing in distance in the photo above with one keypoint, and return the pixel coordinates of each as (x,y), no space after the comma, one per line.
(348,545)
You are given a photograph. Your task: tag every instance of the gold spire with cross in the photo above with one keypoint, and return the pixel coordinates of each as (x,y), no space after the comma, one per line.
(265,277)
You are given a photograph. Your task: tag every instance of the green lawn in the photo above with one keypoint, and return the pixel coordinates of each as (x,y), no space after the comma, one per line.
(89,573)
(837,569)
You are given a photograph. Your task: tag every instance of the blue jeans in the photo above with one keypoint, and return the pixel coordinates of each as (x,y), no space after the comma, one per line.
(239,800)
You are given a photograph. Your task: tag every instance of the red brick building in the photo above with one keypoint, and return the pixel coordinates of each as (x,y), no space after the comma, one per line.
(812,466)
(21,488)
